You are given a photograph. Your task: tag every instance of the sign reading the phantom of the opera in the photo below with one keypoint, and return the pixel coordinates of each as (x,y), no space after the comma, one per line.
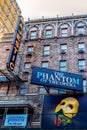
(54,78)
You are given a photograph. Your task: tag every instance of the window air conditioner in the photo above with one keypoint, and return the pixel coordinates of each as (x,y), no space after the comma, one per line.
(63,51)
(81,69)
(81,33)
(81,50)
(29,53)
(26,71)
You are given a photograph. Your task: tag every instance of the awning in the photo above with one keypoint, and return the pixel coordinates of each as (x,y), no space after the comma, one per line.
(11,103)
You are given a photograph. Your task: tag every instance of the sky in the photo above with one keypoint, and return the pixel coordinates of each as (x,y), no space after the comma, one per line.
(34,9)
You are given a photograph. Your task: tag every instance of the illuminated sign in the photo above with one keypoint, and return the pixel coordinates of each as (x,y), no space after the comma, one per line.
(16,120)
(15,44)
(53,78)
(64,112)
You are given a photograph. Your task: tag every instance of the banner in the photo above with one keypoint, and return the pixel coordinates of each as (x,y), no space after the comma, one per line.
(64,112)
(54,78)
(16,120)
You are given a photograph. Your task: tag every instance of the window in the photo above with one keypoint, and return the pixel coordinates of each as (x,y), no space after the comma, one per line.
(45,64)
(53,91)
(46,50)
(80,30)
(42,90)
(64,32)
(33,35)
(84,85)
(63,48)
(81,65)
(30,49)
(48,33)
(62,65)
(27,67)
(81,47)
(60,90)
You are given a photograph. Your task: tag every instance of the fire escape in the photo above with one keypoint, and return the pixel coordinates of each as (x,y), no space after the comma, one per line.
(11,78)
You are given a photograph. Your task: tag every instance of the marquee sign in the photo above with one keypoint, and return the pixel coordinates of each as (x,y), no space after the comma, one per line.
(15,44)
(54,78)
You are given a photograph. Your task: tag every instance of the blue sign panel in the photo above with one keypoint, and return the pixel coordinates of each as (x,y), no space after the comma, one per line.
(15,44)
(53,78)
(16,120)
(3,79)
(64,112)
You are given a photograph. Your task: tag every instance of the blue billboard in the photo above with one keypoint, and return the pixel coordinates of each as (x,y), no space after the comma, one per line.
(54,78)
(64,112)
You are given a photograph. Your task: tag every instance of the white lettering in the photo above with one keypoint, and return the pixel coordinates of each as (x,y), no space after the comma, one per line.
(57,78)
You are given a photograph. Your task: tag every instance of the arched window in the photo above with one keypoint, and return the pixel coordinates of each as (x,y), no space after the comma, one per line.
(34,33)
(64,30)
(49,31)
(80,28)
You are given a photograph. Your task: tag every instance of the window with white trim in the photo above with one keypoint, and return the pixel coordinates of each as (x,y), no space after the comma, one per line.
(27,66)
(48,34)
(45,64)
(30,49)
(33,35)
(62,65)
(64,32)
(80,30)
(63,48)
(46,50)
(81,64)
(81,46)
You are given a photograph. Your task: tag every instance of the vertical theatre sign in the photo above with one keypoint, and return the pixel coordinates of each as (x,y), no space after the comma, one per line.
(15,44)
(54,78)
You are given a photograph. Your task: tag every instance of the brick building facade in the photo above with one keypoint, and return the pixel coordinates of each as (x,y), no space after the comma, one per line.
(56,43)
